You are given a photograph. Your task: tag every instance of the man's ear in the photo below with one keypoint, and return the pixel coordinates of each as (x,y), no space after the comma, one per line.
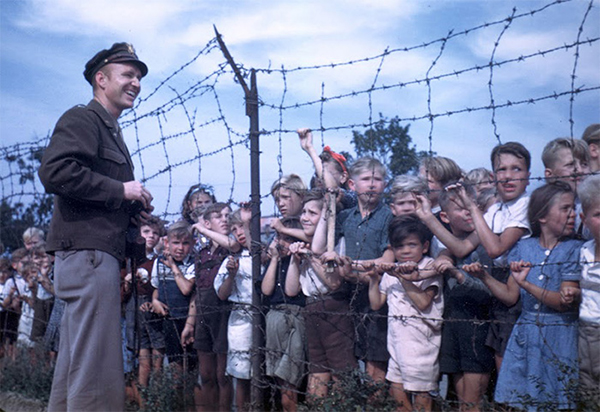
(548,173)
(100,79)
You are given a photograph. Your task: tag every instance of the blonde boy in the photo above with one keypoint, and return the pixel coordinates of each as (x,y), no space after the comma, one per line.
(364,229)
(402,200)
(567,160)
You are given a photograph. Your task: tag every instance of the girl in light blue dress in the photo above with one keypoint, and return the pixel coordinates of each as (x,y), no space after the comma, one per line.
(539,370)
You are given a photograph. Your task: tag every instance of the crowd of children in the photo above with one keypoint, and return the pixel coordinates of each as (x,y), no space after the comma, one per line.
(446,273)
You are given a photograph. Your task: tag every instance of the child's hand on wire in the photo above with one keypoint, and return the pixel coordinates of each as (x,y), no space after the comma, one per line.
(273,251)
(305,135)
(519,271)
(475,269)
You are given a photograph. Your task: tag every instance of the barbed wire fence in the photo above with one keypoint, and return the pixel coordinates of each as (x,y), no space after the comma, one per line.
(198,132)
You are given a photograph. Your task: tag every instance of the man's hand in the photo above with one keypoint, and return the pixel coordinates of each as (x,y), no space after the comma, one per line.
(134,190)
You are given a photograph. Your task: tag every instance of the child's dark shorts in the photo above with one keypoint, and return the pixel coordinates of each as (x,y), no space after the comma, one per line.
(149,331)
(330,335)
(212,315)
(463,347)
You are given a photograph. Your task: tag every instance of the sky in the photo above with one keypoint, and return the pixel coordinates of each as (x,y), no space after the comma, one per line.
(44,45)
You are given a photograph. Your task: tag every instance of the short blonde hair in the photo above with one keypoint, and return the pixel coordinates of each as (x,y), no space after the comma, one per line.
(32,232)
(589,192)
(367,164)
(579,148)
(442,169)
(292,182)
(407,184)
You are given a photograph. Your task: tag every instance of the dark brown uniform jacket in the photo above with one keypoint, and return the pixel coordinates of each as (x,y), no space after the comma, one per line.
(85,166)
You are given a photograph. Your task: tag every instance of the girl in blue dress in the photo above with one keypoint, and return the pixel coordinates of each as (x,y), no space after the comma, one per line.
(540,364)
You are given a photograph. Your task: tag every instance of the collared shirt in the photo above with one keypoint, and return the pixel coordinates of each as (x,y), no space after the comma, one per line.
(589,310)
(503,215)
(242,285)
(365,237)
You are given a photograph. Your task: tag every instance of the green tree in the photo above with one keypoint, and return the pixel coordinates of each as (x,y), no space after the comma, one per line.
(389,142)
(27,205)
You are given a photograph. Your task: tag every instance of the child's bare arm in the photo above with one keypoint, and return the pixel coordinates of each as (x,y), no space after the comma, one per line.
(458,247)
(227,286)
(331,278)
(157,306)
(220,239)
(376,298)
(292,280)
(292,232)
(421,298)
(267,285)
(519,271)
(185,285)
(495,244)
(318,244)
(507,293)
(187,334)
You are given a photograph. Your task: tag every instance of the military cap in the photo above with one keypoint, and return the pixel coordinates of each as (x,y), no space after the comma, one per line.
(118,53)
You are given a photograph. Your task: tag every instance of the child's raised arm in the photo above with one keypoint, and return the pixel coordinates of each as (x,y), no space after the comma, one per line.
(269,280)
(292,281)
(277,226)
(495,244)
(306,143)
(220,239)
(458,247)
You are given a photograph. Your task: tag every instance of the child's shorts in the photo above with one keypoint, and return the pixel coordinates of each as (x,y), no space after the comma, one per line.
(212,315)
(149,326)
(330,335)
(239,337)
(464,348)
(286,349)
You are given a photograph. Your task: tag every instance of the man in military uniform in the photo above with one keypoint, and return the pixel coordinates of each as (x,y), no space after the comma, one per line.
(89,170)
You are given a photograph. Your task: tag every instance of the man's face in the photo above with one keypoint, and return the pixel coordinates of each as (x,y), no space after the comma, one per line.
(289,202)
(120,83)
